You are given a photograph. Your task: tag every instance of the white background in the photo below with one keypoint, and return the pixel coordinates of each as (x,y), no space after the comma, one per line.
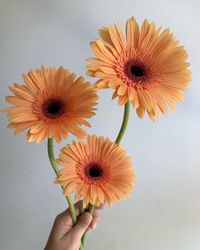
(163,212)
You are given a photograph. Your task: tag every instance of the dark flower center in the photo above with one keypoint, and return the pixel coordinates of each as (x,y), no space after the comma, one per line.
(94,170)
(53,108)
(136,71)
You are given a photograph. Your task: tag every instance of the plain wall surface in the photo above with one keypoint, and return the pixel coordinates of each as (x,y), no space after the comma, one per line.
(163,212)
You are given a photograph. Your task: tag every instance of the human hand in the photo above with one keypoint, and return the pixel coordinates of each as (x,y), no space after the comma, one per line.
(66,236)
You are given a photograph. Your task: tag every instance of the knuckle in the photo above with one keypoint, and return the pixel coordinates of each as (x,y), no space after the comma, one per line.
(82,224)
(57,219)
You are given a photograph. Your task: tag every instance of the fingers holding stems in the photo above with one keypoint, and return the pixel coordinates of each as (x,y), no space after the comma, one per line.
(65,233)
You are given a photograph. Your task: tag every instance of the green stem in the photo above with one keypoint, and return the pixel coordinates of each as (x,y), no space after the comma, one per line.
(124,123)
(56,169)
(82,210)
(72,209)
(91,211)
(51,156)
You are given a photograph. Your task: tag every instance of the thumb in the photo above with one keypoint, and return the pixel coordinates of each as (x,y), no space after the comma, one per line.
(81,226)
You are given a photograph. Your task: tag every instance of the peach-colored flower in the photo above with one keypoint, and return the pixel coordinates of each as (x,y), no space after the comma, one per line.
(148,68)
(97,170)
(51,103)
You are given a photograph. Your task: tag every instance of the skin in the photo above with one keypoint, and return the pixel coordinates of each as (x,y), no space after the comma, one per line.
(66,236)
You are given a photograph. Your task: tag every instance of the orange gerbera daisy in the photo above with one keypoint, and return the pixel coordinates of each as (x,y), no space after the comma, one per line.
(51,103)
(149,68)
(98,170)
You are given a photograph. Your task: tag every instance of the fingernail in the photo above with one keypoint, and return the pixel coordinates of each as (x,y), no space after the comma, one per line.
(89,230)
(94,226)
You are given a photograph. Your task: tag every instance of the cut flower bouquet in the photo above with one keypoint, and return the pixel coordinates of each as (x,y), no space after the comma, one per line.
(147,69)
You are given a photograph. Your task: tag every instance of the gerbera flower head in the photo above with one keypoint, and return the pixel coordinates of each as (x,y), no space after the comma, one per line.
(97,170)
(148,68)
(51,103)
